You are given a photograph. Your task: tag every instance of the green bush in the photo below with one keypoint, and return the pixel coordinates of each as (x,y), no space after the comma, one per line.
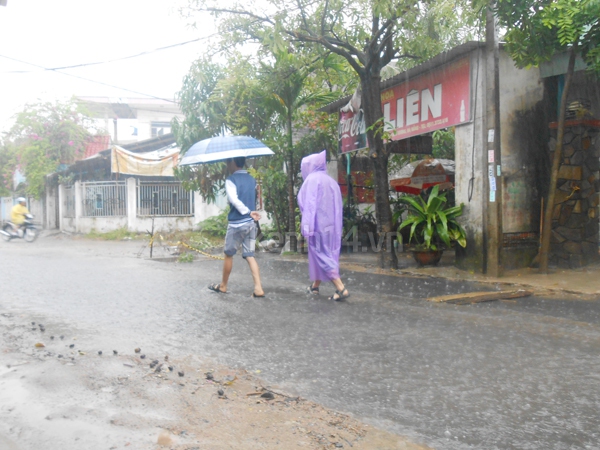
(186,258)
(215,225)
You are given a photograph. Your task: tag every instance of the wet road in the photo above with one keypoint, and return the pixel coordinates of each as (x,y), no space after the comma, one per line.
(498,375)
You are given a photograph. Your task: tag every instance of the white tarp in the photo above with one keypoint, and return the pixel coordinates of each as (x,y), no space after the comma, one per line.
(158,163)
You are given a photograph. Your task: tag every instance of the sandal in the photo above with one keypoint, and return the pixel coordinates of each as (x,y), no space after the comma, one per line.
(340,295)
(312,290)
(217,288)
(257,296)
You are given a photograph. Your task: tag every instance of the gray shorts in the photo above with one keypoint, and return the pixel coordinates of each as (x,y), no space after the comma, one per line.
(244,235)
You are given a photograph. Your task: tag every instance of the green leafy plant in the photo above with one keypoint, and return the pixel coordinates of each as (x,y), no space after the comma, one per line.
(399,207)
(186,258)
(215,225)
(382,128)
(443,143)
(203,242)
(432,223)
(45,137)
(351,217)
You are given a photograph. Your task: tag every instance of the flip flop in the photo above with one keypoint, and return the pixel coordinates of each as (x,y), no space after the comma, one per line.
(341,297)
(312,290)
(258,296)
(217,288)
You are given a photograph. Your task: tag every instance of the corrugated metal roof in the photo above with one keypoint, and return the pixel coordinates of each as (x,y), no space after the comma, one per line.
(436,61)
(102,159)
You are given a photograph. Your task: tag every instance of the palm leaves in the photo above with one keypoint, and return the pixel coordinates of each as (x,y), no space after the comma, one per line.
(432,223)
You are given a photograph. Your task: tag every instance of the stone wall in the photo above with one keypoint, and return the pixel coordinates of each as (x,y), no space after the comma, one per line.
(575,215)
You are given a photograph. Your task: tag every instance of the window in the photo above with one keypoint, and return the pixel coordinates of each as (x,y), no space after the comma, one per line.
(99,201)
(160,128)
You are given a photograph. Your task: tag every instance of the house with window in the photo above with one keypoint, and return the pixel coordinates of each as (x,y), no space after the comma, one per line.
(128,120)
(130,186)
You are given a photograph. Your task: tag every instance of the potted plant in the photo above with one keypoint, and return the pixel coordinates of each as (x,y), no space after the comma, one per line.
(433,225)
(359,227)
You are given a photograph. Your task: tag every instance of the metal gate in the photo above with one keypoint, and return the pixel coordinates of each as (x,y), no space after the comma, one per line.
(104,199)
(164,199)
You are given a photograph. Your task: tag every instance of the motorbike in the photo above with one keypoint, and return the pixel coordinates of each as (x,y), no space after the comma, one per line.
(27,231)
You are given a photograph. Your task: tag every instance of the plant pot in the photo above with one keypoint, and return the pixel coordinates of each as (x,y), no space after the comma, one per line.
(427,257)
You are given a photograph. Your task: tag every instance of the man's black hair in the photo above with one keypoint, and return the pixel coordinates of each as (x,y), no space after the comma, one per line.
(239,161)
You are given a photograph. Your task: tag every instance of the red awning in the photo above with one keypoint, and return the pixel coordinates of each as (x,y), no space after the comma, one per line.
(425,174)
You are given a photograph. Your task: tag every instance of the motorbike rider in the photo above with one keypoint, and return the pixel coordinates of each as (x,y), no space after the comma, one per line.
(18,213)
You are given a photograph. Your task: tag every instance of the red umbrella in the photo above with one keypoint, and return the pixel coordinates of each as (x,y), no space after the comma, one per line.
(420,175)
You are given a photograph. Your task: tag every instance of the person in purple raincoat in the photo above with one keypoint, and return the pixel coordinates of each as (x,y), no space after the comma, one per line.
(320,202)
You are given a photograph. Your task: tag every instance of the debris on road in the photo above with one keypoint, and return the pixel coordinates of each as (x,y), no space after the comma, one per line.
(267,395)
(119,383)
(478,297)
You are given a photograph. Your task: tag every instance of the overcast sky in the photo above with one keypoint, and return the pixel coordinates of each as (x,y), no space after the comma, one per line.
(58,33)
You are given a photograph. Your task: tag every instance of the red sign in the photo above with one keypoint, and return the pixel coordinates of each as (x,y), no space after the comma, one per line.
(438,99)
(352,133)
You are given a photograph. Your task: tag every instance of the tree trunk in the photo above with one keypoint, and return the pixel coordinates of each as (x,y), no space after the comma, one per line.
(291,196)
(547,223)
(371,104)
(278,219)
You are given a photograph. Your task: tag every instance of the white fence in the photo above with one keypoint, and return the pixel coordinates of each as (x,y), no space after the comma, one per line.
(131,204)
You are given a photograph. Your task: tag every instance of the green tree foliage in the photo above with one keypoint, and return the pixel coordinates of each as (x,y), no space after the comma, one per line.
(538,29)
(44,136)
(260,99)
(366,34)
(202,119)
(286,91)
(219,99)
(7,168)
(443,144)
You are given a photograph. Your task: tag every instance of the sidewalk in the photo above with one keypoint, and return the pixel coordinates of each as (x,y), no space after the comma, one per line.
(584,282)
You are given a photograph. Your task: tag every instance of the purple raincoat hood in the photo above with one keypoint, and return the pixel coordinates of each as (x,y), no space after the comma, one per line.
(313,163)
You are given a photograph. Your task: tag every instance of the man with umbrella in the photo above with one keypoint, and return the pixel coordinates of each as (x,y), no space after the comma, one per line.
(240,187)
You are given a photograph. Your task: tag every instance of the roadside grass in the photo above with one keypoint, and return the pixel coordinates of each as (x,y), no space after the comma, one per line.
(198,239)
(114,235)
(186,257)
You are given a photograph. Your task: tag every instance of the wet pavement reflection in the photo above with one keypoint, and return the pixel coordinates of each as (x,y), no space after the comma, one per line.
(521,374)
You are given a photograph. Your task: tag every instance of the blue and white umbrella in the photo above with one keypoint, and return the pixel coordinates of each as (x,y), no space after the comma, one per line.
(221,148)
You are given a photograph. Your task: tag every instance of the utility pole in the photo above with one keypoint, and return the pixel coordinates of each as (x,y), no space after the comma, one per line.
(492,148)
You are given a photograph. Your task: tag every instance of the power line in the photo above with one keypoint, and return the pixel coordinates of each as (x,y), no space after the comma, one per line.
(87,79)
(110,60)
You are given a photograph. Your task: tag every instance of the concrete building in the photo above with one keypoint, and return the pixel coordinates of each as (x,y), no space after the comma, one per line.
(129,120)
(503,168)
